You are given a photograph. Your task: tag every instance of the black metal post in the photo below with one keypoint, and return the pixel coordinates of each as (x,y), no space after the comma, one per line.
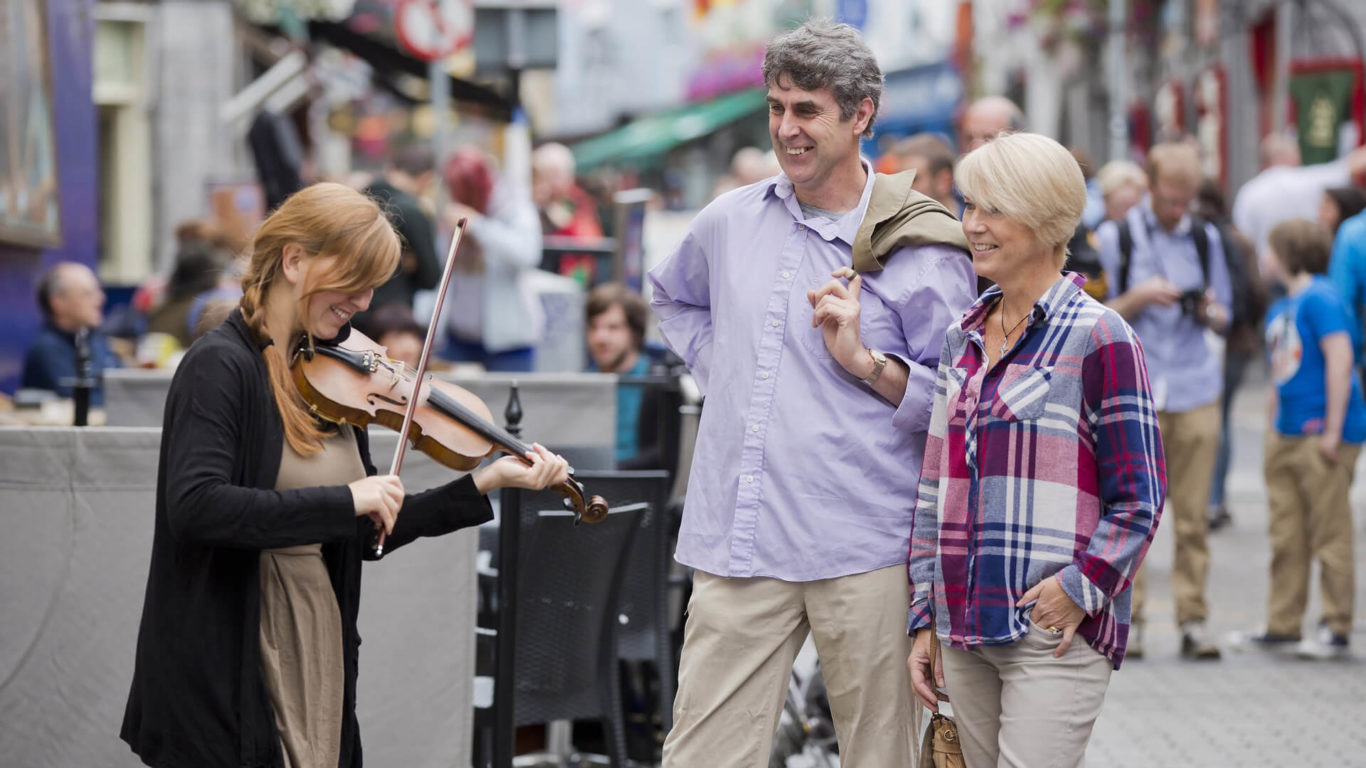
(80,392)
(509,536)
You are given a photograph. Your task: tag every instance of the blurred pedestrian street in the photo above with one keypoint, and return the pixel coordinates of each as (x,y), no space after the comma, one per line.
(1250,708)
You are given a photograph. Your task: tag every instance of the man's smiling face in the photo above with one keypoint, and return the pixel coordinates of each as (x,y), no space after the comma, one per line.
(809,136)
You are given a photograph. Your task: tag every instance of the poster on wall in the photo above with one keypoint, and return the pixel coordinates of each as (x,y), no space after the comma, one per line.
(1325,95)
(29,202)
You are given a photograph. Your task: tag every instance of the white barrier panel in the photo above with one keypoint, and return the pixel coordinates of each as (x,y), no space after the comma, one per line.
(77,509)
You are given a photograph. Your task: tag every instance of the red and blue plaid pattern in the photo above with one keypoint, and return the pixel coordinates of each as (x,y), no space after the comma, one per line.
(1048,464)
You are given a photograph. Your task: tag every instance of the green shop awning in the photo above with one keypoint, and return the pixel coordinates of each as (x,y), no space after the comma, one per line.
(649,137)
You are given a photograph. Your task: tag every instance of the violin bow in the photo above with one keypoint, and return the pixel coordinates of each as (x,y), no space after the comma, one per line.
(408,412)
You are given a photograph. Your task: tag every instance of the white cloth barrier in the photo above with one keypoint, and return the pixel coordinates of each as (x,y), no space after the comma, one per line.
(77,508)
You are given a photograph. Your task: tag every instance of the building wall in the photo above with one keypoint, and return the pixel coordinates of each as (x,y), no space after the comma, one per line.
(71,31)
(198,62)
(617,57)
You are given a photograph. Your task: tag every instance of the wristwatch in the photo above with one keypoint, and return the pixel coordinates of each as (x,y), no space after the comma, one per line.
(879,362)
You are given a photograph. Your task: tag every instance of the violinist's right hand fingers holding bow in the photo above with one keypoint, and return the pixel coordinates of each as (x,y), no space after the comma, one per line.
(380,497)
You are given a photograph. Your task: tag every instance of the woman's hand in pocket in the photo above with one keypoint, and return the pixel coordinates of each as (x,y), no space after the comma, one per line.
(1053,611)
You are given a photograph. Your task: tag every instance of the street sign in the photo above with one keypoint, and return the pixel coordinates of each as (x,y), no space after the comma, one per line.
(434,29)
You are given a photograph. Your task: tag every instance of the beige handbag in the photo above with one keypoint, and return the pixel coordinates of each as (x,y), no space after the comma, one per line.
(940,748)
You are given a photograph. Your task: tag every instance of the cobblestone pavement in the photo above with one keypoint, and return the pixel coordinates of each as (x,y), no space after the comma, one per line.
(1249,709)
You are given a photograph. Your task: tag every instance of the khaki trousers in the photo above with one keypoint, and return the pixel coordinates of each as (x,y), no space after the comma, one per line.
(1016,706)
(740,640)
(1190,441)
(1311,518)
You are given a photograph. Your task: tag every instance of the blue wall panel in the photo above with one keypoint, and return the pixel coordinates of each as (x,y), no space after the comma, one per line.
(71,41)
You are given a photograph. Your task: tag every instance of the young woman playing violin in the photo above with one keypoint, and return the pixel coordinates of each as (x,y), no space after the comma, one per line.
(246,654)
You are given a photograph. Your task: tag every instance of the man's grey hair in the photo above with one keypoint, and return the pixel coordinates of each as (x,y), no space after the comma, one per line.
(823,54)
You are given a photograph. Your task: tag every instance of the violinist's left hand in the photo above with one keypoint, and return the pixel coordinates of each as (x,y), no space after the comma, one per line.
(546,469)
(835,310)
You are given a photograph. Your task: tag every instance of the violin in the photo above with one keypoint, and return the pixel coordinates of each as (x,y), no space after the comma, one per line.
(355,382)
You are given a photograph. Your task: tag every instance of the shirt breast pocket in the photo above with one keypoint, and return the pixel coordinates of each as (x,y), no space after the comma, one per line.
(1023,392)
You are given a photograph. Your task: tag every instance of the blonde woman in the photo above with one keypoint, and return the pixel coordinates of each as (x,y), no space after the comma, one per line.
(1043,477)
(246,652)
(1122,185)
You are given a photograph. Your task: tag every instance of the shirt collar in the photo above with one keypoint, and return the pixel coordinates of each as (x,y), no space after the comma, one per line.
(844,228)
(1047,305)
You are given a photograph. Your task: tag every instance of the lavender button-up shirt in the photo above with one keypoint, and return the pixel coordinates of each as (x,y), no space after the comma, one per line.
(801,471)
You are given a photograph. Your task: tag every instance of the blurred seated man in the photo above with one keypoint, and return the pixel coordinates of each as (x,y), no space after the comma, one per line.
(71,300)
(616,342)
(932,160)
(566,209)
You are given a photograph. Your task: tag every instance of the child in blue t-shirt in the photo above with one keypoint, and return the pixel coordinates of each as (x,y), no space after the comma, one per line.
(1318,422)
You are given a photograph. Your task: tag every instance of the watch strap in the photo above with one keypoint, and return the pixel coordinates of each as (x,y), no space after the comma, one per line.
(879,363)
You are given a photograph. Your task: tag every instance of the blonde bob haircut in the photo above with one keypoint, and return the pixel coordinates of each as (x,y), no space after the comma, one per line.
(1030,179)
(324,219)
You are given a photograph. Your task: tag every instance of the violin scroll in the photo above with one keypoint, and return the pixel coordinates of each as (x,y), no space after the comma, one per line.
(590,509)
(596,510)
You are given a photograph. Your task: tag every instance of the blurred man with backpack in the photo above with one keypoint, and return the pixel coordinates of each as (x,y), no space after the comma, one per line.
(1168,276)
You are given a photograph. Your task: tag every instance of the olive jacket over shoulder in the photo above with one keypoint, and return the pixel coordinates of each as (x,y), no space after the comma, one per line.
(197,696)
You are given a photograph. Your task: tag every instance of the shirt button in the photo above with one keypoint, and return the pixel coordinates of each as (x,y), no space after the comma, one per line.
(749,478)
(786,274)
(754,428)
(773,323)
(763,375)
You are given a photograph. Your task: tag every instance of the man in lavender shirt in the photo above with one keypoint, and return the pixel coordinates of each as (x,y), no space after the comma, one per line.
(818,398)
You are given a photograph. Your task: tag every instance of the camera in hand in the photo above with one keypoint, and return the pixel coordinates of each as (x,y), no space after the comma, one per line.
(1190,302)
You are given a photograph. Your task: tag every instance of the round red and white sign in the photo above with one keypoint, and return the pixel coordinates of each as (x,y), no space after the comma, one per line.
(434,29)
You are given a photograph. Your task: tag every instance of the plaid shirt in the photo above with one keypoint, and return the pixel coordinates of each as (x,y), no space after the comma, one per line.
(1048,464)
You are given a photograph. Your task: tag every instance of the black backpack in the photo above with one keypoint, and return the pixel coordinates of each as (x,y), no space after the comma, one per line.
(1237,276)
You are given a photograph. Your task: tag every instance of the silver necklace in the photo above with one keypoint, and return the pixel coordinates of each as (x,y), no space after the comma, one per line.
(1005,342)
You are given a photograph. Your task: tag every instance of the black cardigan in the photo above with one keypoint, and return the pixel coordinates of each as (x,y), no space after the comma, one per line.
(197,696)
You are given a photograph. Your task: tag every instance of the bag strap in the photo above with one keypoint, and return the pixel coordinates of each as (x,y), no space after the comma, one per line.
(1201,238)
(1126,252)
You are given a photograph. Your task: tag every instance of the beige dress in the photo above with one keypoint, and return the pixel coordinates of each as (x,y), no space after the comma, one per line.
(301,635)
